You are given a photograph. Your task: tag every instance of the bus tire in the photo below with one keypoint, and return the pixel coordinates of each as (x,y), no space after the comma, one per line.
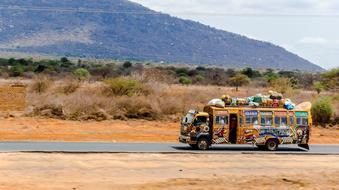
(203,143)
(271,144)
(194,146)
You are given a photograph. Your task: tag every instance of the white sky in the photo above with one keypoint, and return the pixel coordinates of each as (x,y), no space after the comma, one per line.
(309,28)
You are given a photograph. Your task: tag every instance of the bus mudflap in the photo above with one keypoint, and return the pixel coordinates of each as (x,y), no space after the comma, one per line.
(305,146)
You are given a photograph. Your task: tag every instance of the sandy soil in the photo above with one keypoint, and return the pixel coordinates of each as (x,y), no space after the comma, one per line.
(32,129)
(167,171)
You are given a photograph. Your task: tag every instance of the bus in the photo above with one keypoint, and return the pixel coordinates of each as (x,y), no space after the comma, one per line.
(265,127)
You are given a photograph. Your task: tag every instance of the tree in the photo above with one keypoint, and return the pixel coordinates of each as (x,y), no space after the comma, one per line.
(270,75)
(318,86)
(81,74)
(282,85)
(64,60)
(105,71)
(238,80)
(251,73)
(230,72)
(182,71)
(127,64)
(331,79)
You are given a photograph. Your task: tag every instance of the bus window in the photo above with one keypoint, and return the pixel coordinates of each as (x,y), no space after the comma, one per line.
(221,120)
(280,118)
(252,120)
(251,117)
(266,118)
(291,120)
(303,121)
(302,118)
(280,121)
(199,121)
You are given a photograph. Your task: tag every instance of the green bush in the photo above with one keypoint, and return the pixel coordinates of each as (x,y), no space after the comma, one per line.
(124,86)
(322,111)
(81,74)
(17,70)
(185,80)
(199,78)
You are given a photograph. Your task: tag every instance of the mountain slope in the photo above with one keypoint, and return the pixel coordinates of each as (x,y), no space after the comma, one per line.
(120,29)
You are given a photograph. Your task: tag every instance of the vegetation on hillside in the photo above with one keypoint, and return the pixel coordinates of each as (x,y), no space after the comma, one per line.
(94,90)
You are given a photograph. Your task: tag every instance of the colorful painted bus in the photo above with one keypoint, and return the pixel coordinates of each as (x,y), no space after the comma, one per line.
(264,127)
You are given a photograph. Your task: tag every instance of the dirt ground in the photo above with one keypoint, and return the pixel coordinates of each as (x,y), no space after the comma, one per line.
(33,129)
(31,171)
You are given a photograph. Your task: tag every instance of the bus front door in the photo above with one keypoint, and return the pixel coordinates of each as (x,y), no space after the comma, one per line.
(233,128)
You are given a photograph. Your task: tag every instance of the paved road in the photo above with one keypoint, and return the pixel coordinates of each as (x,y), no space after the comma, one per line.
(89,147)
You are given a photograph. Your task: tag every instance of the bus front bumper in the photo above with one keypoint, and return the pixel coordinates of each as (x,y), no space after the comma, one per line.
(184,139)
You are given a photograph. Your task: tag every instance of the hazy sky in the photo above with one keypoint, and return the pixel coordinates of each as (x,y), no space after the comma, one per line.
(309,28)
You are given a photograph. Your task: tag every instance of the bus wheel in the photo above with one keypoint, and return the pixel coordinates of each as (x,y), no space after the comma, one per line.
(194,146)
(203,144)
(271,144)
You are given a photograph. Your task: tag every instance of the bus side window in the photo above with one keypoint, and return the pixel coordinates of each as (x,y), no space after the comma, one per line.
(252,119)
(280,121)
(221,120)
(302,121)
(291,120)
(305,121)
(266,118)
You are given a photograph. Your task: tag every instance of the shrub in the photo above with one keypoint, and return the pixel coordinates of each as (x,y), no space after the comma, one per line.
(40,84)
(86,106)
(322,111)
(81,74)
(69,86)
(184,80)
(17,70)
(124,86)
(138,107)
(199,78)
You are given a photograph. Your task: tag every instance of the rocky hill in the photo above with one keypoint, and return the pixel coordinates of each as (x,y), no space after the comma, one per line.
(120,29)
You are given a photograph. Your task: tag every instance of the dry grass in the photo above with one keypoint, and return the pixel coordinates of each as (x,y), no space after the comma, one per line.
(40,84)
(69,86)
(167,102)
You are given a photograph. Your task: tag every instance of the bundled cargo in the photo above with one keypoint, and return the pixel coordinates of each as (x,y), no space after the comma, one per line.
(217,103)
(289,105)
(273,99)
(275,95)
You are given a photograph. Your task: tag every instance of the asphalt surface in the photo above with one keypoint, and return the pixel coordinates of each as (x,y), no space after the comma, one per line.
(93,147)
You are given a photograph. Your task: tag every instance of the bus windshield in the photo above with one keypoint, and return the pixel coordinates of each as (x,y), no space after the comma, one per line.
(188,118)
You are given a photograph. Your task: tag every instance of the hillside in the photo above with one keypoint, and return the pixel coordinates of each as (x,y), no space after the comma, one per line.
(121,29)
